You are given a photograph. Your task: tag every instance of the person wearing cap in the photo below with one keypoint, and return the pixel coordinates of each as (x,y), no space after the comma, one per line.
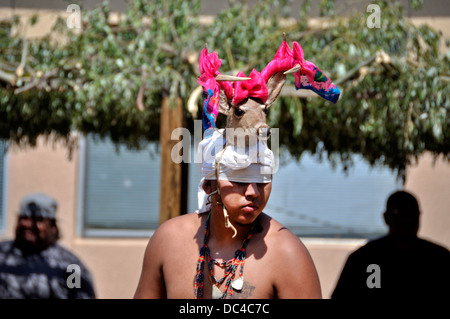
(399,265)
(34,265)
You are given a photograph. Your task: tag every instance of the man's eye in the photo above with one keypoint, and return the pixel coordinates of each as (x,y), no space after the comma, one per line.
(238,112)
(240,184)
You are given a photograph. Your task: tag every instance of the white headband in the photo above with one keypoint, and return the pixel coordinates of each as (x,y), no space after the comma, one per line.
(253,164)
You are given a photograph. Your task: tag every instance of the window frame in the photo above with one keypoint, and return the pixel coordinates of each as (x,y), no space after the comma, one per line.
(81,229)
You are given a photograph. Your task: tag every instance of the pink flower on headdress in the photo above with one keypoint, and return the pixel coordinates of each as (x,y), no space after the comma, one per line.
(209,64)
(282,61)
(256,87)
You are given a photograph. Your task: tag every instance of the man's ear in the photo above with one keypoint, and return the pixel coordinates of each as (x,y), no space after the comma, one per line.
(274,86)
(387,218)
(209,186)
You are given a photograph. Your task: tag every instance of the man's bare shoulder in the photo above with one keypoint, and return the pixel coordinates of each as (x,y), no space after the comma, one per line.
(278,234)
(296,276)
(179,227)
(282,242)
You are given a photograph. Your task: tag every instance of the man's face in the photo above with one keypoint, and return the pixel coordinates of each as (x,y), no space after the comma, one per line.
(401,223)
(35,236)
(244,201)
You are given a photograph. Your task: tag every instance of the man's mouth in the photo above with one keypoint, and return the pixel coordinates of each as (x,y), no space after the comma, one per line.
(28,234)
(250,208)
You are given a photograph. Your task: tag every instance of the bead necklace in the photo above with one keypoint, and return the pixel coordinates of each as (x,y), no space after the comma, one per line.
(231,266)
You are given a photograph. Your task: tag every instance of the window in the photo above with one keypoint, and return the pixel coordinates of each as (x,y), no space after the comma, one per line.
(314,200)
(118,190)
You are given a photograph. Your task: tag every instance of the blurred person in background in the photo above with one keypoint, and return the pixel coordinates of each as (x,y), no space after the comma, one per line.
(399,265)
(34,265)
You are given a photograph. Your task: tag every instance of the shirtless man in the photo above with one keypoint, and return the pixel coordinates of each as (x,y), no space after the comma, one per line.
(231,249)
(277,264)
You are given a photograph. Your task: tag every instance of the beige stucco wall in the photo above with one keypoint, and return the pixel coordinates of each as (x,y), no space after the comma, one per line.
(116,263)
(430,181)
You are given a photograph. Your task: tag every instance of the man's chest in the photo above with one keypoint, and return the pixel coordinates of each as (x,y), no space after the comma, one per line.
(183,273)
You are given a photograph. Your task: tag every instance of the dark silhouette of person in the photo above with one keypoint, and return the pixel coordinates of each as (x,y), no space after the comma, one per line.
(399,265)
(34,265)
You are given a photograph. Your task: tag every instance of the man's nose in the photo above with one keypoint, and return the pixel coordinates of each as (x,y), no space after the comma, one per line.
(252,190)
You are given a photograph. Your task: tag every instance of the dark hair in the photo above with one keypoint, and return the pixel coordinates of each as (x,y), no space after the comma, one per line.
(403,202)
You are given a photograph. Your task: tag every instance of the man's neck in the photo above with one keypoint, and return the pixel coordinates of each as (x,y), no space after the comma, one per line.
(223,236)
(30,248)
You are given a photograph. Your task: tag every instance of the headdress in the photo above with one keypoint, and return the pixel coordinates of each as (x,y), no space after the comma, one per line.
(286,61)
(235,163)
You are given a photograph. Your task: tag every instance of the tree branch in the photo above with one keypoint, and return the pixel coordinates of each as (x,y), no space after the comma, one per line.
(290,90)
(356,70)
(20,69)
(39,82)
(27,87)
(8,77)
(140,96)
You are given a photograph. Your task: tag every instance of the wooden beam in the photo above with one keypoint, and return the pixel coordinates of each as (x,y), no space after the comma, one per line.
(171,184)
